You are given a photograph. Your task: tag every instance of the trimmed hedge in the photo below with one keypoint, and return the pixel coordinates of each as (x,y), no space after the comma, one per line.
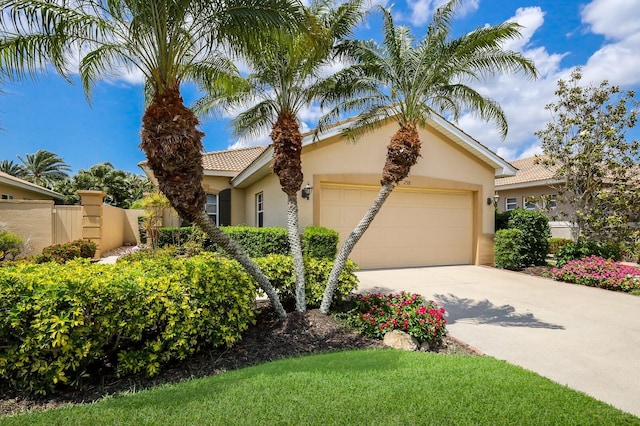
(317,241)
(279,270)
(536,234)
(508,246)
(556,243)
(60,322)
(586,248)
(320,243)
(62,253)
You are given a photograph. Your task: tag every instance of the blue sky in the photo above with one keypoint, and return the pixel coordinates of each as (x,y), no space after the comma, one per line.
(602,36)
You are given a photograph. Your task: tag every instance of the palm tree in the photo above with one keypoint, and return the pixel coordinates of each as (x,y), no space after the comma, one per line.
(170,42)
(403,81)
(286,74)
(11,168)
(44,168)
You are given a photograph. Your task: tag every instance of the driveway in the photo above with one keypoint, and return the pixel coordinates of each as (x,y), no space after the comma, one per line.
(582,337)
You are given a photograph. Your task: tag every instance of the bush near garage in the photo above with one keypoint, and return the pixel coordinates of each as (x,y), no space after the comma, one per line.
(59,323)
(536,234)
(509,247)
(320,242)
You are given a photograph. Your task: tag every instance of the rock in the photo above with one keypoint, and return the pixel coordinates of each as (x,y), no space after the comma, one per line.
(397,339)
(424,346)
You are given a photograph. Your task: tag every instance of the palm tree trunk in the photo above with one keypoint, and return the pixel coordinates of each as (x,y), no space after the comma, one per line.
(349,243)
(234,250)
(173,146)
(296,252)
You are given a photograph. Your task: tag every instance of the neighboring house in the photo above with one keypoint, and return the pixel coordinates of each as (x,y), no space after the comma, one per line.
(442,214)
(13,188)
(532,188)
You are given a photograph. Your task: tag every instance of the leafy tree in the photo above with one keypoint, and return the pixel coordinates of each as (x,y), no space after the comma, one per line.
(585,142)
(122,188)
(44,168)
(403,81)
(286,76)
(11,168)
(170,42)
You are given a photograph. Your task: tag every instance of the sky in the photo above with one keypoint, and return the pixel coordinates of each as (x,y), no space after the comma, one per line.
(601,36)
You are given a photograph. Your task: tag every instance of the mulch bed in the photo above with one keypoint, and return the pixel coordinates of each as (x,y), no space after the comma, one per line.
(265,341)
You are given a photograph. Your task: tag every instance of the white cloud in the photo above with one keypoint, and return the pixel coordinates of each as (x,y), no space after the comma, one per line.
(422,10)
(615,19)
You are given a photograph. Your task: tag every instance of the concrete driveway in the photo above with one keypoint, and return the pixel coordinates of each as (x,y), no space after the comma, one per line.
(582,337)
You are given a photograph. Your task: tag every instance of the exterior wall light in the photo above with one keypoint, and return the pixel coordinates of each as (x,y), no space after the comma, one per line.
(306,191)
(496,198)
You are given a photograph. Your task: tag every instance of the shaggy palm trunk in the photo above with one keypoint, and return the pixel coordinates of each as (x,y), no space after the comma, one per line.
(402,154)
(287,165)
(173,146)
(234,250)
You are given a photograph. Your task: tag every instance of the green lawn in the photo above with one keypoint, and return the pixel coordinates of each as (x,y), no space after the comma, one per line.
(374,387)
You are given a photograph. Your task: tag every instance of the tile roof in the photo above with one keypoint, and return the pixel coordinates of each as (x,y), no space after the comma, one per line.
(233,160)
(528,171)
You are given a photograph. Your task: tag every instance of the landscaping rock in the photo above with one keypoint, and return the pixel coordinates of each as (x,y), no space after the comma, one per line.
(424,346)
(397,339)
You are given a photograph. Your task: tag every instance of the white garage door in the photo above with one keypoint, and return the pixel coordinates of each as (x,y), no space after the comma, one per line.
(414,228)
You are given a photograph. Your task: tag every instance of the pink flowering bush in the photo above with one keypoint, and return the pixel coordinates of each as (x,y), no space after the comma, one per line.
(376,314)
(598,272)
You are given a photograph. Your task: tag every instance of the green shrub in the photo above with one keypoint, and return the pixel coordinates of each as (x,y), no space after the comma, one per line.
(259,242)
(279,270)
(509,246)
(556,243)
(376,314)
(585,248)
(61,322)
(536,234)
(502,220)
(10,244)
(148,253)
(62,253)
(320,242)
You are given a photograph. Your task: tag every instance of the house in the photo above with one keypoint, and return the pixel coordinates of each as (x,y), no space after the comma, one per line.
(534,187)
(13,188)
(442,214)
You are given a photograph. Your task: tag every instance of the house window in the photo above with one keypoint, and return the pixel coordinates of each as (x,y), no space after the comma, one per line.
(552,202)
(7,197)
(260,210)
(529,203)
(212,207)
(511,204)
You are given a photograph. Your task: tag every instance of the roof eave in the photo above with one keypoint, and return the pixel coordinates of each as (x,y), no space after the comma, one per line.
(519,185)
(18,183)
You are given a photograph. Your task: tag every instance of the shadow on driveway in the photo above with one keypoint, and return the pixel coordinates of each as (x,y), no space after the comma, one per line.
(485,312)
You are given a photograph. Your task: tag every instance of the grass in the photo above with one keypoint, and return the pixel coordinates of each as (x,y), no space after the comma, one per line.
(373,387)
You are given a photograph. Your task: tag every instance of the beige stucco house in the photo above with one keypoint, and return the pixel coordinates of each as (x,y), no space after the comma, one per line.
(13,188)
(442,214)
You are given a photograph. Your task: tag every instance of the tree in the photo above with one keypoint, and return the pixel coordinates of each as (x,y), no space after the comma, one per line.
(11,168)
(585,142)
(403,81)
(169,42)
(44,168)
(285,76)
(122,188)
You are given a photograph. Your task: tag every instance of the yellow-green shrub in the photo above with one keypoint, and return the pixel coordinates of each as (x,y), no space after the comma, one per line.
(279,269)
(59,322)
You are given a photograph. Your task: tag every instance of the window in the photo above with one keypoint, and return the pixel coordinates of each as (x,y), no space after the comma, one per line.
(511,204)
(529,203)
(552,202)
(260,210)
(7,197)
(212,207)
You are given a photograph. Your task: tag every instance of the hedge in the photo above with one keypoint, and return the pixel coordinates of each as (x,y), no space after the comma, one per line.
(65,252)
(60,322)
(508,246)
(317,241)
(535,243)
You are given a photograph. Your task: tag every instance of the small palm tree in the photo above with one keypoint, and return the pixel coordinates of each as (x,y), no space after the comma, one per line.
(403,81)
(44,168)
(170,42)
(285,76)
(11,168)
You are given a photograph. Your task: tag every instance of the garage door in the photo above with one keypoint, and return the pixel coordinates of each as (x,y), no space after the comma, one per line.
(414,227)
